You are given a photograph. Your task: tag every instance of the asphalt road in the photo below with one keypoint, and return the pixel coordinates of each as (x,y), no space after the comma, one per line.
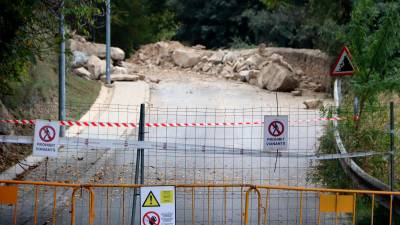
(186,99)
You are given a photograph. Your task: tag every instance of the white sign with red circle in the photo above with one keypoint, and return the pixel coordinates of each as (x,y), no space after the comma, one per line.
(157,205)
(46,138)
(276,132)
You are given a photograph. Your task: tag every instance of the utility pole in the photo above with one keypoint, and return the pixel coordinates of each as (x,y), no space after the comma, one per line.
(108,41)
(61,72)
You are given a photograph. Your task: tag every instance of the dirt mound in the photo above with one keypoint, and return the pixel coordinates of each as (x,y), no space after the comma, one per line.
(276,69)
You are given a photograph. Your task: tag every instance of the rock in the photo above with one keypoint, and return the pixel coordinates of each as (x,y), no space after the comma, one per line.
(186,58)
(279,60)
(299,72)
(116,53)
(318,87)
(131,68)
(262,49)
(163,49)
(82,72)
(254,60)
(253,81)
(96,49)
(152,80)
(216,69)
(119,70)
(96,67)
(141,76)
(227,69)
(253,74)
(79,59)
(204,59)
(312,104)
(276,77)
(122,77)
(206,67)
(199,47)
(229,76)
(217,57)
(296,93)
(244,75)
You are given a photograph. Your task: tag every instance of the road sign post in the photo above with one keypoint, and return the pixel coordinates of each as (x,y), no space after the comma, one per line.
(344,65)
(139,169)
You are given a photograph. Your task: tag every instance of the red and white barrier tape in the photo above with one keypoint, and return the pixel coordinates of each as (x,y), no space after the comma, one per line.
(135,125)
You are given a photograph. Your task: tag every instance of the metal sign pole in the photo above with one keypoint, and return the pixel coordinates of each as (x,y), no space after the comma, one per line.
(108,41)
(139,163)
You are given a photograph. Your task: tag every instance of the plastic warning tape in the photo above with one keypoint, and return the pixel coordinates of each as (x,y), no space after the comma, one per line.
(135,125)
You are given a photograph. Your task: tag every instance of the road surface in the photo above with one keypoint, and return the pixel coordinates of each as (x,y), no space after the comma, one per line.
(180,98)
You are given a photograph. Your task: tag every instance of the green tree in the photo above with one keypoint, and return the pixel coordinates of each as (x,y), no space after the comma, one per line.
(29,28)
(373,36)
(213,23)
(137,22)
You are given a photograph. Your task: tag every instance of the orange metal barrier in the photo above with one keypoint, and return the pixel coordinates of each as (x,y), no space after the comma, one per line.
(196,203)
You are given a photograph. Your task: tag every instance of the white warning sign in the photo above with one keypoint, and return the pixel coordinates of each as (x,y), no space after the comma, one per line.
(157,205)
(276,132)
(45,141)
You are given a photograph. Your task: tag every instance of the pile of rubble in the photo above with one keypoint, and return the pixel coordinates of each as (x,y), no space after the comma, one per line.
(89,61)
(262,66)
(274,69)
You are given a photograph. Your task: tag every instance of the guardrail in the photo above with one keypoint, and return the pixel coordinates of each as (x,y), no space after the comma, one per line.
(357,173)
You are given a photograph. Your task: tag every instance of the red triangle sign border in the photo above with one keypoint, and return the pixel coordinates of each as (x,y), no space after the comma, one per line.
(345,52)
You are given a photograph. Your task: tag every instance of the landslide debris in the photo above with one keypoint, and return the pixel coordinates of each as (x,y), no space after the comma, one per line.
(274,69)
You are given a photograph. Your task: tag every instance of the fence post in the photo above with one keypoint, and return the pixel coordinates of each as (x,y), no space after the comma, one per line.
(392,164)
(392,146)
(355,108)
(139,163)
(141,138)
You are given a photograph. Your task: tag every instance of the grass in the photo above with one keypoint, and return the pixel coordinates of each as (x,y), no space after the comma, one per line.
(36,97)
(371,134)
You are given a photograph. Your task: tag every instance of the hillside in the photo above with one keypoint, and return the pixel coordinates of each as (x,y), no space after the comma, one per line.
(37,97)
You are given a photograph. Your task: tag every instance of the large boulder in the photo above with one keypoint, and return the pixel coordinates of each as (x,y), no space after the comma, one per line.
(130,67)
(116,54)
(96,67)
(82,72)
(186,58)
(276,77)
(312,103)
(79,59)
(254,60)
(119,70)
(96,49)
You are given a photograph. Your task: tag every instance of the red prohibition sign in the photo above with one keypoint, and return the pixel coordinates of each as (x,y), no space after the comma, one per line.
(151,218)
(276,128)
(47,133)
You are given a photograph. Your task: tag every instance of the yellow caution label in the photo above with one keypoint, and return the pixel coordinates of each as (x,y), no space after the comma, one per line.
(167,197)
(151,201)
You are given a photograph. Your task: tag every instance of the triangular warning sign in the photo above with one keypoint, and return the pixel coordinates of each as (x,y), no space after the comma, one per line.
(343,65)
(151,201)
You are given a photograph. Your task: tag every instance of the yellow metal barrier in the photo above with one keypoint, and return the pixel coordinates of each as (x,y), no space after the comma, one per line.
(196,203)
